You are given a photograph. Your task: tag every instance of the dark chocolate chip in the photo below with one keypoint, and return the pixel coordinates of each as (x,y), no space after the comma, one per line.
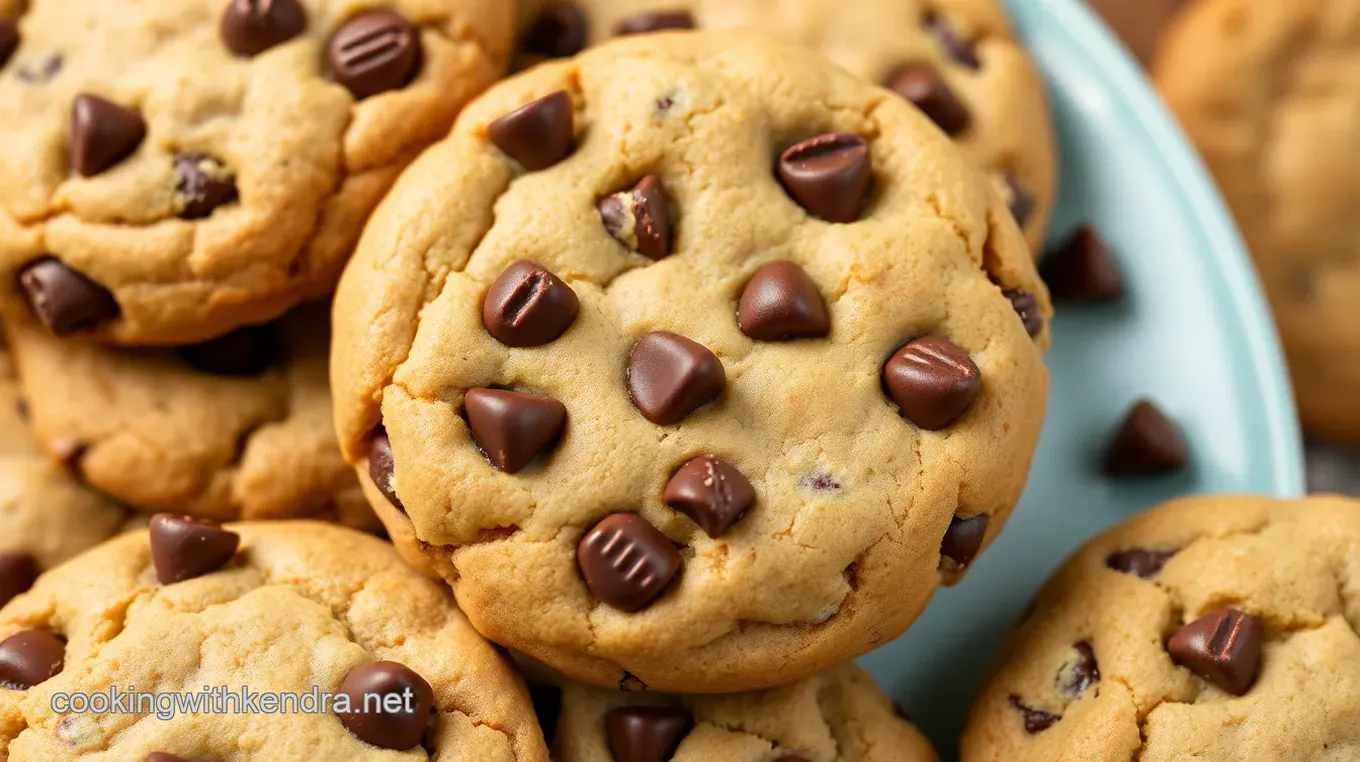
(1036,720)
(646,733)
(1081,271)
(924,88)
(559,31)
(184,547)
(250,27)
(1081,672)
(963,539)
(63,299)
(828,175)
(381,466)
(670,376)
(782,302)
(792,758)
(201,185)
(1223,647)
(547,700)
(1147,443)
(243,353)
(711,491)
(513,428)
(932,380)
(527,306)
(389,705)
(655,21)
(639,218)
(163,756)
(9,39)
(1021,202)
(51,67)
(18,572)
(103,133)
(30,657)
(1027,307)
(538,134)
(373,53)
(1140,562)
(626,562)
(959,48)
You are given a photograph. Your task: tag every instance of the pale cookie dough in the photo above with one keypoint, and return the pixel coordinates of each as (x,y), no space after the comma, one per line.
(830,511)
(237,428)
(225,167)
(973,72)
(1211,628)
(836,716)
(299,606)
(1270,93)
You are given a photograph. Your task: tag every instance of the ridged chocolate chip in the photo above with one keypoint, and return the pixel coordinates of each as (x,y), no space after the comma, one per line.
(959,48)
(1081,672)
(163,756)
(373,53)
(1147,443)
(1027,307)
(656,21)
(782,302)
(1081,271)
(1223,647)
(527,306)
(711,491)
(924,88)
(547,701)
(381,466)
(538,134)
(184,547)
(828,175)
(639,218)
(932,380)
(1036,720)
(250,27)
(513,428)
(626,562)
(558,32)
(201,185)
(18,572)
(646,733)
(243,353)
(670,376)
(1020,200)
(9,39)
(103,133)
(1140,562)
(963,539)
(63,299)
(389,703)
(29,658)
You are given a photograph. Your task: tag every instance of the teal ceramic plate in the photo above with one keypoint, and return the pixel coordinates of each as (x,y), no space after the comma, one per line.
(1194,335)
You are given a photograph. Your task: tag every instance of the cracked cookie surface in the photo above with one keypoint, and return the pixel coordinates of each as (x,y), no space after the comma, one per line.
(185,167)
(1212,628)
(671,446)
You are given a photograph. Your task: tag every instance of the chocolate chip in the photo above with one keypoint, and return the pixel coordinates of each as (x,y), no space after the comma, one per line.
(18,572)
(932,380)
(30,657)
(9,39)
(1080,673)
(1036,720)
(513,428)
(959,48)
(381,466)
(792,758)
(626,562)
(656,21)
(559,31)
(1020,200)
(1147,443)
(243,353)
(250,27)
(201,185)
(1140,562)
(163,756)
(63,299)
(527,306)
(547,701)
(102,134)
(537,134)
(51,66)
(711,491)
(925,89)
(1082,271)
(670,376)
(373,53)
(963,539)
(828,175)
(782,302)
(1223,647)
(1027,307)
(184,547)
(639,218)
(389,705)
(646,733)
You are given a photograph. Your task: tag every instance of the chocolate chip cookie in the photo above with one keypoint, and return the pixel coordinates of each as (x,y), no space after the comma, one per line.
(835,716)
(956,60)
(700,349)
(1270,94)
(176,169)
(362,655)
(1212,628)
(237,427)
